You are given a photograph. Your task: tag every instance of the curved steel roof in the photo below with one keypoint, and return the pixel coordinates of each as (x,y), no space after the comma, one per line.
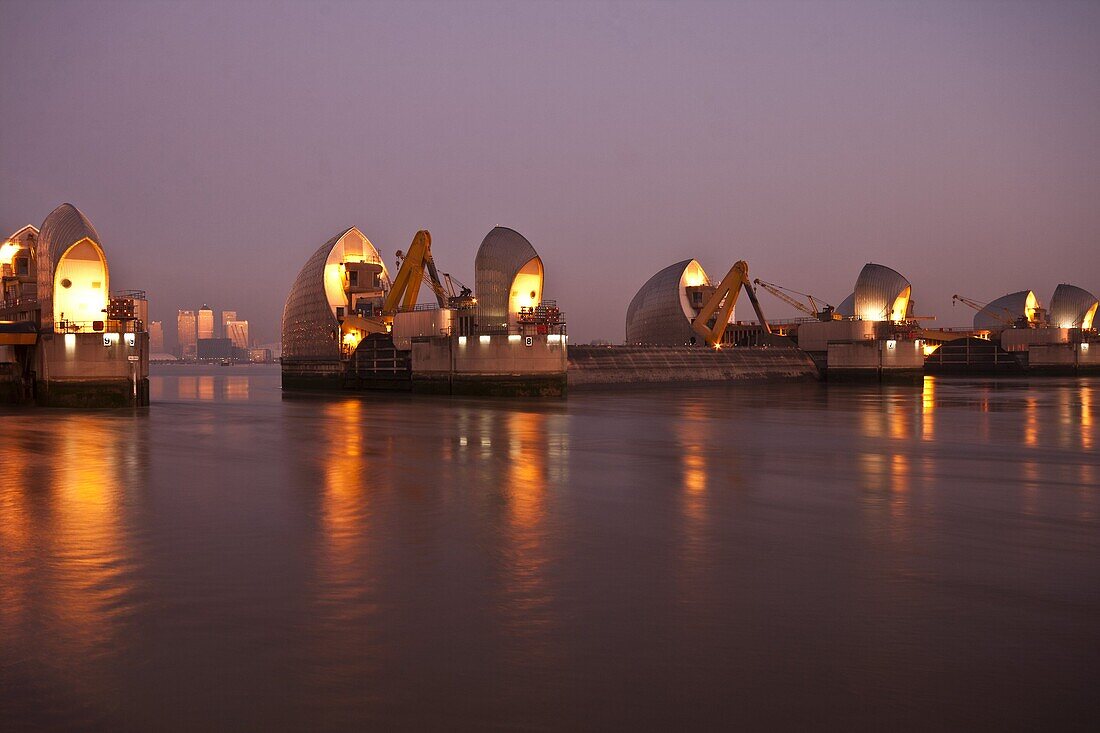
(1072,307)
(65,226)
(310,328)
(880,293)
(847,306)
(659,312)
(28,228)
(1005,310)
(501,256)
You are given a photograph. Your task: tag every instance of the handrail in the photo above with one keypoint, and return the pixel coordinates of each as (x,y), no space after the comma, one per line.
(135,294)
(106,326)
(522,329)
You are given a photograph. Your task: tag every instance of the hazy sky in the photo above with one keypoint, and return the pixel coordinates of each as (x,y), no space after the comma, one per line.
(216,145)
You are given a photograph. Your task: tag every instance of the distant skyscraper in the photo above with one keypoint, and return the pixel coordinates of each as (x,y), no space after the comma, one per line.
(227,316)
(156,337)
(206,322)
(187,334)
(237,332)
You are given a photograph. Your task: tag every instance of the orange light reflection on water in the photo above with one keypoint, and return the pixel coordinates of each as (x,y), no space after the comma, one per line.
(928,409)
(694,499)
(72,537)
(344,499)
(1087,421)
(1031,422)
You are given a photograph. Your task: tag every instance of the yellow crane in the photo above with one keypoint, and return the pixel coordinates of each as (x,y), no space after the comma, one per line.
(417,266)
(825,314)
(721,302)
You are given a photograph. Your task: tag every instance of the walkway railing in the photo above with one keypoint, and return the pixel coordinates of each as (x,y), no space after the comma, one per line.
(70,326)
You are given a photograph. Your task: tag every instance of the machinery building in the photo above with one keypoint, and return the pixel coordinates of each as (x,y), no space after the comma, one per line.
(1014,333)
(64,338)
(19,275)
(871,333)
(1018,319)
(348,324)
(680,327)
(881,293)
(345,274)
(1020,307)
(662,311)
(1072,307)
(508,277)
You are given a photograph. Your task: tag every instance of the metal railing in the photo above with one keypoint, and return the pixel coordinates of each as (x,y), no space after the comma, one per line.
(419,307)
(16,302)
(67,325)
(521,329)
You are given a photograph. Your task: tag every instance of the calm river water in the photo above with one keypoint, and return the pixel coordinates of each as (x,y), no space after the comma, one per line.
(915,557)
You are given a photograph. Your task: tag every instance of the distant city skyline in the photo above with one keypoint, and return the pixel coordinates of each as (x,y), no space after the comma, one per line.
(193,326)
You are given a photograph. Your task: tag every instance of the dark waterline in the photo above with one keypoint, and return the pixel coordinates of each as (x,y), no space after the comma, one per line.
(921,556)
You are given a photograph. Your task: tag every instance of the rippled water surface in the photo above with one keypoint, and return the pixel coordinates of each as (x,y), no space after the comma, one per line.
(918,556)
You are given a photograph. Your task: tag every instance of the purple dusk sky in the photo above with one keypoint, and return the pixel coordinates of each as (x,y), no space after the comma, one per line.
(216,145)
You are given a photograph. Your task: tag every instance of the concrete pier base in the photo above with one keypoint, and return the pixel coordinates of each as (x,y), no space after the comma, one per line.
(92,393)
(604,366)
(1064,359)
(92,370)
(490,365)
(879,359)
(12,387)
(304,374)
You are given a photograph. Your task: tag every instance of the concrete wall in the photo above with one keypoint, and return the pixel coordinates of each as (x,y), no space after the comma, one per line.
(854,356)
(624,365)
(902,354)
(1020,339)
(1088,356)
(877,358)
(80,370)
(313,374)
(496,365)
(1052,355)
(816,335)
(1064,358)
(490,355)
(417,324)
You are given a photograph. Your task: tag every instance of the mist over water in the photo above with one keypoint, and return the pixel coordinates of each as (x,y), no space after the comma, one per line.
(906,556)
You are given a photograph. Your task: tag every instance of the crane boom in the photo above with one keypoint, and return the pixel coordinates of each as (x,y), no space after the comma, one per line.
(721,304)
(827,313)
(1007,319)
(417,266)
(777,292)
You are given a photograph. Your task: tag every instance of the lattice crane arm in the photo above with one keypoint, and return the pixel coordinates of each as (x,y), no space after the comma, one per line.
(1007,319)
(777,292)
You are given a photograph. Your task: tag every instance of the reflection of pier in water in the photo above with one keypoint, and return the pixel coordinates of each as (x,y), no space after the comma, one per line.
(201,387)
(66,539)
